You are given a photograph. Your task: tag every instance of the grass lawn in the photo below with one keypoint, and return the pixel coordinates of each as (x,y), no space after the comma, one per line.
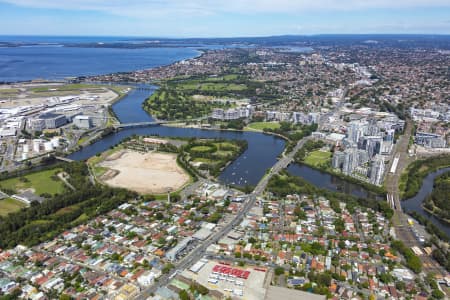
(318,157)
(41,182)
(10,205)
(99,171)
(121,90)
(201,148)
(9,91)
(226,145)
(222,87)
(211,86)
(66,87)
(82,140)
(83,218)
(262,125)
(224,153)
(204,160)
(228,77)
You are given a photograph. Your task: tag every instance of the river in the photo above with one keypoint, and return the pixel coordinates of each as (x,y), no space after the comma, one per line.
(250,167)
(415,203)
(331,182)
(247,169)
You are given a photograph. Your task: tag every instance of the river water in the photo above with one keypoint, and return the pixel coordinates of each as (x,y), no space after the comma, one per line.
(250,167)
(415,203)
(331,182)
(56,62)
(247,169)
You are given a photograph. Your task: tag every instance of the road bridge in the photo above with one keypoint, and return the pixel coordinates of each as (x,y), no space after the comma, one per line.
(64,159)
(155,123)
(139,124)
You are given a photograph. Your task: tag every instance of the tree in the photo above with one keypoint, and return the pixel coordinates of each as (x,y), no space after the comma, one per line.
(183,294)
(339,225)
(279,271)
(167,267)
(324,279)
(437,294)
(400,285)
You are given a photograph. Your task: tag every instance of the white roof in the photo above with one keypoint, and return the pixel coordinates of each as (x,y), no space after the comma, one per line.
(82,117)
(336,136)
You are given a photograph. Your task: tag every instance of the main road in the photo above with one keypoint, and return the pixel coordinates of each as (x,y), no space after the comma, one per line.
(200,251)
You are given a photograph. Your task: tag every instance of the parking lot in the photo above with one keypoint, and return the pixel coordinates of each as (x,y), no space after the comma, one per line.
(231,280)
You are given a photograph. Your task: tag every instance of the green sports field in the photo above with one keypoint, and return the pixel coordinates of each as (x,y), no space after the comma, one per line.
(41,182)
(318,157)
(10,205)
(262,125)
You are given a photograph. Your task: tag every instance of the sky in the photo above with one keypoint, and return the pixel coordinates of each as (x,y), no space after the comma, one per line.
(222,18)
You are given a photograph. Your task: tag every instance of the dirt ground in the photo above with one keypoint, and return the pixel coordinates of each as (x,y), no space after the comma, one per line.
(149,173)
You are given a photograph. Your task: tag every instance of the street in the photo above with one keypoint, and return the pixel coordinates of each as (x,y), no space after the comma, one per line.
(200,251)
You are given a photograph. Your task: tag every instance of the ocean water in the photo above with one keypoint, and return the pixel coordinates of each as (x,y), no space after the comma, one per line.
(46,58)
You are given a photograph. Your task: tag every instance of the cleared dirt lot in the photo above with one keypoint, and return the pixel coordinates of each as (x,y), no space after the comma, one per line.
(145,173)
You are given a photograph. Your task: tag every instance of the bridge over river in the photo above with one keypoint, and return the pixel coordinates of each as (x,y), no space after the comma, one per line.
(154,123)
(139,124)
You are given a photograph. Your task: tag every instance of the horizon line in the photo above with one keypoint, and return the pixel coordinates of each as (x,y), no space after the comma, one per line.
(228,37)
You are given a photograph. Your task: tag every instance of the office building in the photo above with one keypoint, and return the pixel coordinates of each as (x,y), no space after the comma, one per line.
(53,120)
(430,140)
(338,160)
(83,122)
(377,170)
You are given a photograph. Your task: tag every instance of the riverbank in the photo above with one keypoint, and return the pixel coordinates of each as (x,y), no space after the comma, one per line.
(415,203)
(366,185)
(321,161)
(246,129)
(437,202)
(431,212)
(414,174)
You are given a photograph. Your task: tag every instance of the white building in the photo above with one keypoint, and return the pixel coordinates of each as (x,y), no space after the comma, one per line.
(83,122)
(7,132)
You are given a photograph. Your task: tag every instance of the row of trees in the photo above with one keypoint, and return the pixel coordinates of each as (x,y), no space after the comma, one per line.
(170,104)
(213,150)
(292,132)
(412,261)
(42,221)
(239,86)
(416,172)
(439,197)
(285,184)
(309,146)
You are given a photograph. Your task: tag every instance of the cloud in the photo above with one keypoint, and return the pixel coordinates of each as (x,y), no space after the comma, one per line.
(145,8)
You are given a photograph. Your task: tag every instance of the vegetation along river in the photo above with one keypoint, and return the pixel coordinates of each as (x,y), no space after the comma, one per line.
(249,168)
